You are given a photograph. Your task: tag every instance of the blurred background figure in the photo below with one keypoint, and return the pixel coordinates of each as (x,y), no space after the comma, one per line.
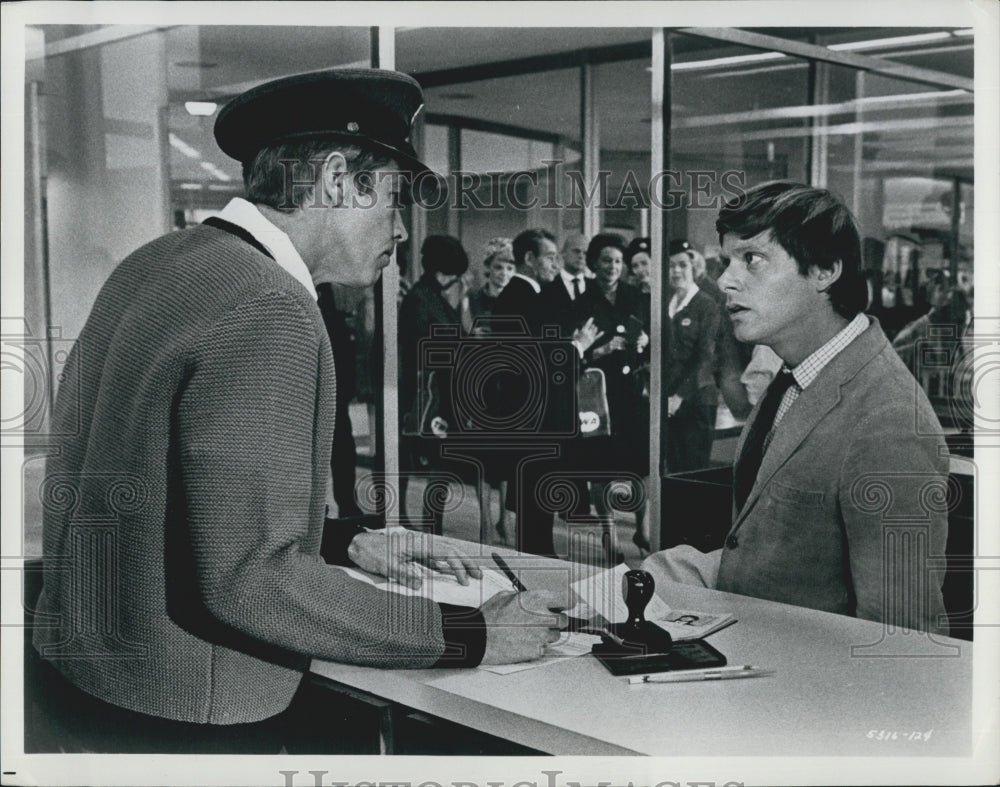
(948,305)
(437,299)
(637,262)
(616,309)
(689,366)
(344,454)
(500,268)
(574,255)
(704,282)
(537,259)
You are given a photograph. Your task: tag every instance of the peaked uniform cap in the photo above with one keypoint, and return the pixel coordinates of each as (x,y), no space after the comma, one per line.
(372,108)
(679,245)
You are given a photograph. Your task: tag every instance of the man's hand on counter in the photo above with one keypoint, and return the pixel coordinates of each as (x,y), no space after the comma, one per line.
(399,554)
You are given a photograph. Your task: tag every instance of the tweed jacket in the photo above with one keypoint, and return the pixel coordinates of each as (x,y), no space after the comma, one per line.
(848,503)
(185,501)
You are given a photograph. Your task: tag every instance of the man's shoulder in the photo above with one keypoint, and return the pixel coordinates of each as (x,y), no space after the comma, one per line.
(518,291)
(876,383)
(520,283)
(203,270)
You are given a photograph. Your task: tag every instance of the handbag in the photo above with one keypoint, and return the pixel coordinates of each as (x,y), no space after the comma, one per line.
(592,404)
(427,417)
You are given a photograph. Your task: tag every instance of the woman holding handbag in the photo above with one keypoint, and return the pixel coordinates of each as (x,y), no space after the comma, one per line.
(616,309)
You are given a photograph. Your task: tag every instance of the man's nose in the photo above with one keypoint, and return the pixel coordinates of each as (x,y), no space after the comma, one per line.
(727,280)
(400,233)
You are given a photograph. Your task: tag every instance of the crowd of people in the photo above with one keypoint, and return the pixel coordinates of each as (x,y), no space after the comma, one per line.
(603,284)
(594,294)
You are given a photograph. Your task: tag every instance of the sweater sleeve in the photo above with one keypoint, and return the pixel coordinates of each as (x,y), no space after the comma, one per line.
(251,466)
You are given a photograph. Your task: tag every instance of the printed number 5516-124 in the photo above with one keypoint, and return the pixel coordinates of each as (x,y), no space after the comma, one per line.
(899,735)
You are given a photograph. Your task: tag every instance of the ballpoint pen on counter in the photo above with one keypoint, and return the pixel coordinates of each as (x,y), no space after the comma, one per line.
(716,673)
(518,586)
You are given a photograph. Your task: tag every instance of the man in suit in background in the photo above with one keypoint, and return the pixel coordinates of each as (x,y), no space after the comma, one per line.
(559,295)
(842,433)
(529,296)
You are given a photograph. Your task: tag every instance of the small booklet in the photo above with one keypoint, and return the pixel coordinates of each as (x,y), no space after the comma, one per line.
(601,594)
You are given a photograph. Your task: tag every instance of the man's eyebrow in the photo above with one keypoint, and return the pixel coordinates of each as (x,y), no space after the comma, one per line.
(743,246)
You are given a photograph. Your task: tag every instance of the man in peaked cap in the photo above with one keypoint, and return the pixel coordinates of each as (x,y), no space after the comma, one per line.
(184,589)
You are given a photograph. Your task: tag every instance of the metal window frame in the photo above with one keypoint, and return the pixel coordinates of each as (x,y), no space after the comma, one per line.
(875,65)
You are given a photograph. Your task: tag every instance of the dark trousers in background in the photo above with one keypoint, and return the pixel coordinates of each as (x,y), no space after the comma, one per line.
(538,490)
(690,433)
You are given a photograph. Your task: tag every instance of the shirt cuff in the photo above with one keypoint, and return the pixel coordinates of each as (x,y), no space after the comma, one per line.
(464,632)
(339,533)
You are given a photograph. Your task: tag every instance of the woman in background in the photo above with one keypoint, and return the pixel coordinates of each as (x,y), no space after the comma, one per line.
(434,301)
(616,308)
(689,369)
(500,267)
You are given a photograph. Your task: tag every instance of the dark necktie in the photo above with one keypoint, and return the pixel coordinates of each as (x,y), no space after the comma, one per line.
(577,287)
(745,472)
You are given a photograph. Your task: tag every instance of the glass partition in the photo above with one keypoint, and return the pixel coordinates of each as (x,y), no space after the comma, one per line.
(533,127)
(898,151)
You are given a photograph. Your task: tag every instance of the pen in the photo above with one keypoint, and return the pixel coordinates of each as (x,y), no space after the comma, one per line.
(718,673)
(518,586)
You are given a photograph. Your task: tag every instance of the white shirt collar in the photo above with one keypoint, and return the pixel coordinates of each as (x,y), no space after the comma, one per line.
(674,306)
(245,214)
(568,279)
(534,284)
(807,371)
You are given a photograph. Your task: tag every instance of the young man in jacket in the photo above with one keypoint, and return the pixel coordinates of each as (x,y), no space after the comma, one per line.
(842,465)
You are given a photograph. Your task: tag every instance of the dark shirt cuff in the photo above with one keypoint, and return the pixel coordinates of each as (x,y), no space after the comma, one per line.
(339,533)
(464,631)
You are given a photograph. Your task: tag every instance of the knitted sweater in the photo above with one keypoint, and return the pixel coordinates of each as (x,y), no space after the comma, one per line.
(184,507)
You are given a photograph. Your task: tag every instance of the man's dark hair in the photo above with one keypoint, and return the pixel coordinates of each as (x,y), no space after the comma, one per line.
(530,240)
(812,226)
(267,177)
(602,241)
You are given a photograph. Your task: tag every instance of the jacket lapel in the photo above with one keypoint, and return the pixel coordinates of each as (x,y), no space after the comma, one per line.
(811,407)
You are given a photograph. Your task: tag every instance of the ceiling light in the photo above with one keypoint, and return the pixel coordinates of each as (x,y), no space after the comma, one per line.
(880,43)
(874,43)
(726,61)
(201,108)
(214,171)
(180,145)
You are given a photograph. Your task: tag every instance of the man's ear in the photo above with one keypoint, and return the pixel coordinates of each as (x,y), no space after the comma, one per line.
(333,177)
(825,277)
